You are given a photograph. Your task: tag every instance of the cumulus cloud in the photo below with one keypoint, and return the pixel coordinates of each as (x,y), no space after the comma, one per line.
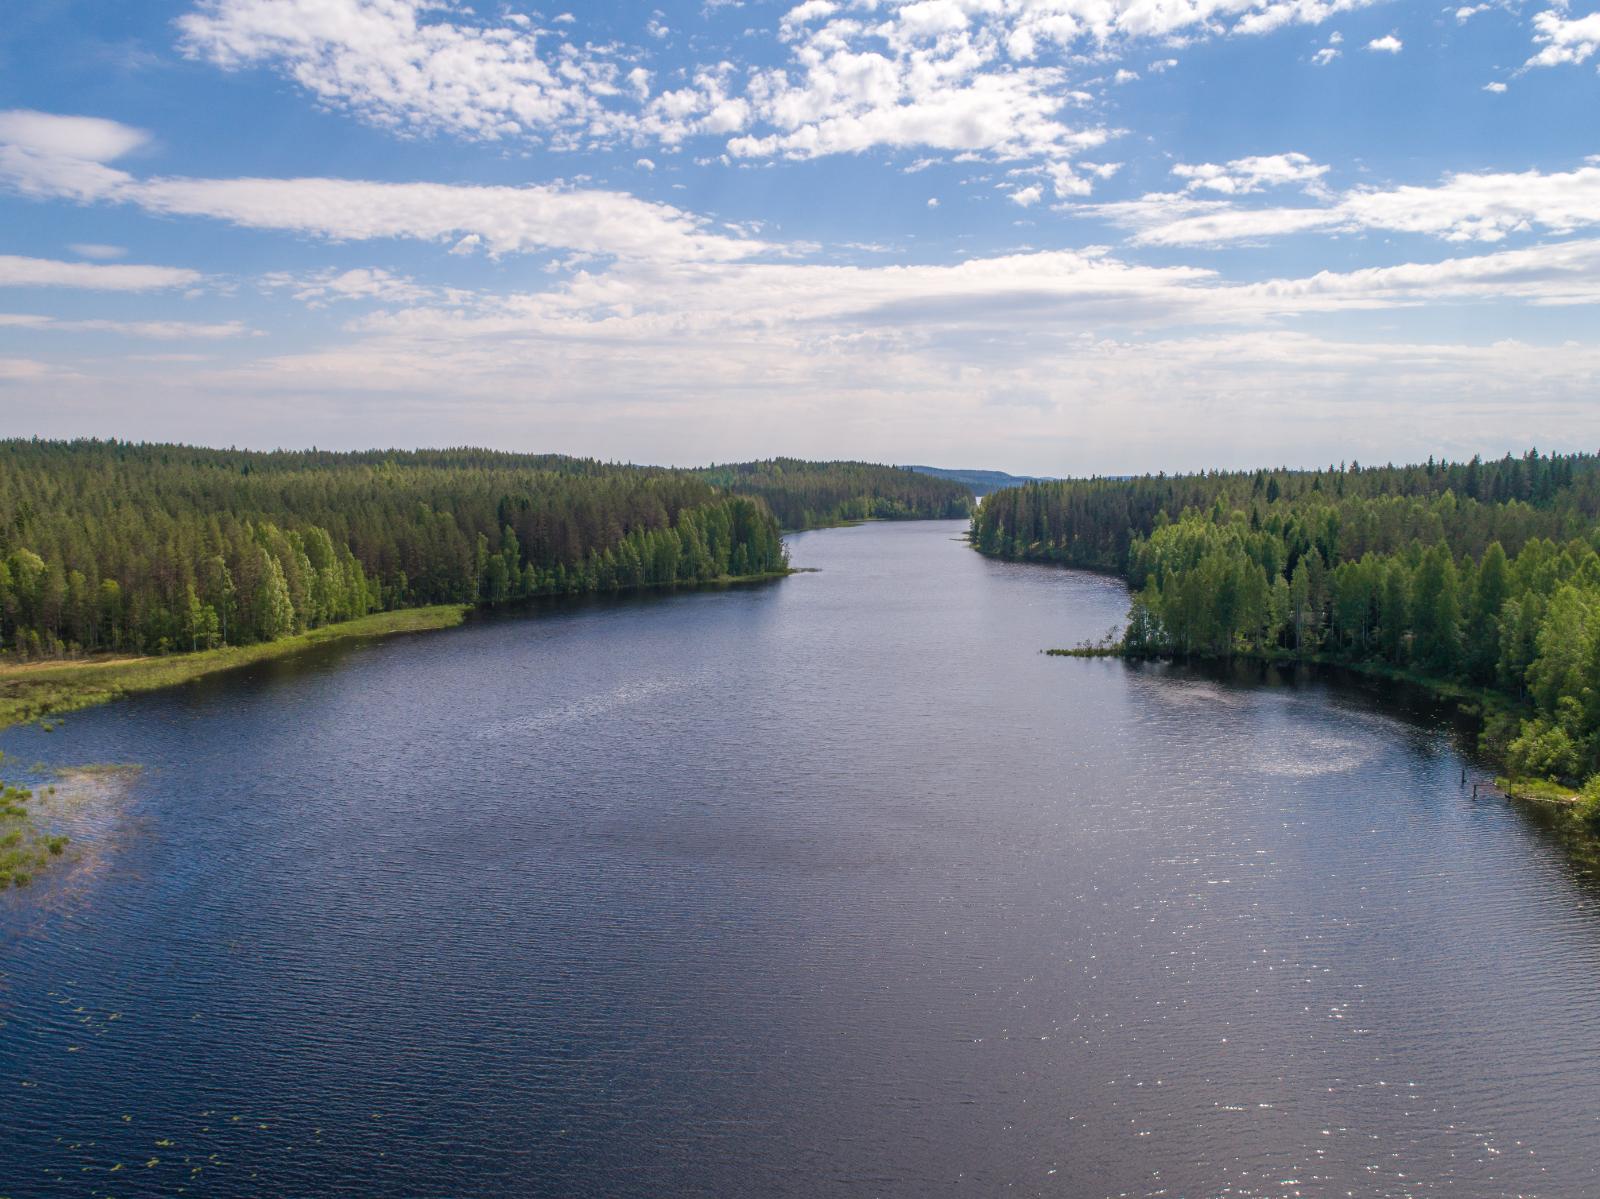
(1562,39)
(1387,44)
(1243,175)
(959,75)
(415,65)
(956,75)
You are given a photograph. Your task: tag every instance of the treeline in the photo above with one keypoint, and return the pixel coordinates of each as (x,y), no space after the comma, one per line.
(137,548)
(1484,574)
(810,495)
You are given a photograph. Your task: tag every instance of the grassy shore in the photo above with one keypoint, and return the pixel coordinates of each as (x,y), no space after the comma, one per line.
(34,690)
(38,690)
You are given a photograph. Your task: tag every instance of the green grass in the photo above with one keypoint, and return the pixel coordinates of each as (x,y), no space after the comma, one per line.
(34,690)
(1541,790)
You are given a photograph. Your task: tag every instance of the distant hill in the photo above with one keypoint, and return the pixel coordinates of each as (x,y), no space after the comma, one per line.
(982,482)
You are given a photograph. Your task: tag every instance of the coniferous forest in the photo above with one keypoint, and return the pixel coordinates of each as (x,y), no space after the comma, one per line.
(808,495)
(144,548)
(1478,574)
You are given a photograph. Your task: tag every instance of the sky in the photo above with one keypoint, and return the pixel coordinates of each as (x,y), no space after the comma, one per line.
(1048,236)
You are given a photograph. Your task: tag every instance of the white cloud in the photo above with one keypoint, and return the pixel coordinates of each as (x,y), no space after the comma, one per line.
(1243,175)
(90,139)
(321,288)
(1324,56)
(1040,294)
(503,219)
(507,219)
(1107,349)
(45,154)
(1465,207)
(1562,39)
(1560,273)
(415,65)
(1387,44)
(1027,197)
(153,330)
(1496,87)
(987,77)
(44,272)
(811,10)
(983,76)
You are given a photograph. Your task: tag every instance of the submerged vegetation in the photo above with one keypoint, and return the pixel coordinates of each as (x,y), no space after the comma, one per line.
(24,848)
(1480,580)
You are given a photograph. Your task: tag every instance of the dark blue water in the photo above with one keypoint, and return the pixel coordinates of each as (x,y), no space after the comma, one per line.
(829,887)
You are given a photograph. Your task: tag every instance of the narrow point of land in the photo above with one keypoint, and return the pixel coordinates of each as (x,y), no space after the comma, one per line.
(34,690)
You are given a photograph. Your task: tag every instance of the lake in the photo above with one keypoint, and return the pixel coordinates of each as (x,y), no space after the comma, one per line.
(830,886)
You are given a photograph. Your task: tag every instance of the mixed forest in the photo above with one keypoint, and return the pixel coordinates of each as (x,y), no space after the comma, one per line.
(144,549)
(1480,575)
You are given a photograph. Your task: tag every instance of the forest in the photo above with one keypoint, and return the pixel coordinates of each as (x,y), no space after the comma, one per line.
(810,495)
(1481,575)
(110,546)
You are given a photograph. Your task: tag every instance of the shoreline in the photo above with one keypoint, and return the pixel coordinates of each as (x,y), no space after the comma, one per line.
(35,691)
(1476,703)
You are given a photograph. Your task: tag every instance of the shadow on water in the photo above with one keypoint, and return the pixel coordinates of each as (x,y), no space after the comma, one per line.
(331,656)
(1418,708)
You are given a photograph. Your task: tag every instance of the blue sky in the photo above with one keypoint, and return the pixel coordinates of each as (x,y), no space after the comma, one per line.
(1057,236)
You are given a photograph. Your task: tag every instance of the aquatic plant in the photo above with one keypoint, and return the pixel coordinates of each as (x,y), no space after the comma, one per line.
(25,848)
